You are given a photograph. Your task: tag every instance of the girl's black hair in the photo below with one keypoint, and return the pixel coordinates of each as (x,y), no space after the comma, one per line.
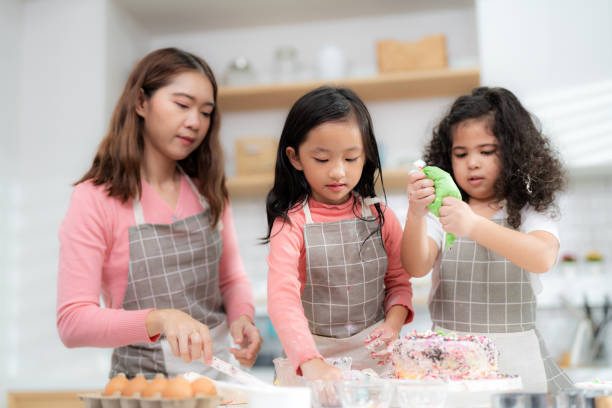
(324,104)
(531,172)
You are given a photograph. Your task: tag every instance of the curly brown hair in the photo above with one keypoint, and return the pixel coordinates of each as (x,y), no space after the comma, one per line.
(531,171)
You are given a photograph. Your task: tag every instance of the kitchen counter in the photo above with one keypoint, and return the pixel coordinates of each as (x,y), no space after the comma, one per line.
(46,393)
(45,397)
(589,373)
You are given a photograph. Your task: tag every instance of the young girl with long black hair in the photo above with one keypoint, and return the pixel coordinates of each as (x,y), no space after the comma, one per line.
(335,277)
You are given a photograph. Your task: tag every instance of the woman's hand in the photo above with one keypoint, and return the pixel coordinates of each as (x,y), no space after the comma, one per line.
(420,192)
(247,336)
(189,339)
(457,217)
(317,369)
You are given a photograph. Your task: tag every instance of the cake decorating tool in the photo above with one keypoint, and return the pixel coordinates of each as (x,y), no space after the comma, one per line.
(236,373)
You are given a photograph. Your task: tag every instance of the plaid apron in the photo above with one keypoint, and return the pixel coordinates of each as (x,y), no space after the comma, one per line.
(172,266)
(478,291)
(345,288)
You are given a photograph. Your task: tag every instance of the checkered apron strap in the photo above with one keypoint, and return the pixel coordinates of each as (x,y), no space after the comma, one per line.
(556,378)
(345,268)
(172,266)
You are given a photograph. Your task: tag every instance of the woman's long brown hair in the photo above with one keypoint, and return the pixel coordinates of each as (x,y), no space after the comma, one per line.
(120,154)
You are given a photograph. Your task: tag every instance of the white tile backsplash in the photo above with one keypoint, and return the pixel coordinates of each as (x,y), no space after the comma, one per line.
(586,218)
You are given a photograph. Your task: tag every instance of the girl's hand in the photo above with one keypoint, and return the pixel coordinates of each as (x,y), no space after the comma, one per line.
(189,339)
(420,192)
(247,336)
(317,369)
(379,339)
(457,217)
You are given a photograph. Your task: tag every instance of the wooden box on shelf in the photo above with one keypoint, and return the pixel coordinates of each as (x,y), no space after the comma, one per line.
(255,156)
(397,56)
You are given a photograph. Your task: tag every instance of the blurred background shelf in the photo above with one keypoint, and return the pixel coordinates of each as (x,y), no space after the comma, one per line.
(392,86)
(260,184)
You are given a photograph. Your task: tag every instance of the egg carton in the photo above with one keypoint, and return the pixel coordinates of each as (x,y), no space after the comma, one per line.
(97,400)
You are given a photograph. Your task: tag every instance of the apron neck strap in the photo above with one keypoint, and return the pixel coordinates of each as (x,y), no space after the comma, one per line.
(366,211)
(139,213)
(307,212)
(203,201)
(365,207)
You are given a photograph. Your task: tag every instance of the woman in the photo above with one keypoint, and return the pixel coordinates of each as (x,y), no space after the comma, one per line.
(150,228)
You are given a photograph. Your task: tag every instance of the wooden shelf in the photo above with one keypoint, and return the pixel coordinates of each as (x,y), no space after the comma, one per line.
(259,185)
(404,85)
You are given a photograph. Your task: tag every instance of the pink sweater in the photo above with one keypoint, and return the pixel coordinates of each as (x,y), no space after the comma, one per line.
(94,259)
(287,275)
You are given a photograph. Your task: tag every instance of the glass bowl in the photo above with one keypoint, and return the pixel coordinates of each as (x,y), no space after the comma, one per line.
(343,363)
(284,373)
(324,394)
(366,394)
(421,394)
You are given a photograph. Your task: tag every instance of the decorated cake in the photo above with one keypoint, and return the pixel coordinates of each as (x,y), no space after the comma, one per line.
(432,355)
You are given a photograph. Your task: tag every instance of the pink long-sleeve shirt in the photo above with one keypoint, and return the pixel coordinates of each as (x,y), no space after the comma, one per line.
(287,274)
(94,259)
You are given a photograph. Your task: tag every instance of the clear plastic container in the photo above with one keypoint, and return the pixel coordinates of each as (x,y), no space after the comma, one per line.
(284,373)
(421,394)
(366,394)
(343,363)
(325,394)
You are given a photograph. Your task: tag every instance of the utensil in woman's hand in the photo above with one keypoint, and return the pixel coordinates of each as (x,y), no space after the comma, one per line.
(236,373)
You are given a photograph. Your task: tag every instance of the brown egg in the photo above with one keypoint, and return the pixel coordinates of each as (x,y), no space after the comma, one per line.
(178,387)
(204,386)
(136,385)
(116,384)
(155,386)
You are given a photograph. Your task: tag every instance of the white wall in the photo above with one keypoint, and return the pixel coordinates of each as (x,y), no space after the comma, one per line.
(10,68)
(401,125)
(126,43)
(355,36)
(61,116)
(556,55)
(537,46)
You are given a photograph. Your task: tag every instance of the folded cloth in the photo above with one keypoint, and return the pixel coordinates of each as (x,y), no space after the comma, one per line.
(444,187)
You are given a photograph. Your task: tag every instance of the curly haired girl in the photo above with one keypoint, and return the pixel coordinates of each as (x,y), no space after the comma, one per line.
(487,281)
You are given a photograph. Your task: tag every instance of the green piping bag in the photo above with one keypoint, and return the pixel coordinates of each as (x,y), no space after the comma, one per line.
(444,187)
